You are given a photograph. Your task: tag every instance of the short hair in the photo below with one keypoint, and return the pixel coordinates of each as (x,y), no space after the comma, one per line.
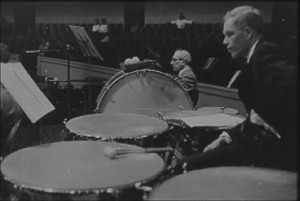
(184,55)
(246,16)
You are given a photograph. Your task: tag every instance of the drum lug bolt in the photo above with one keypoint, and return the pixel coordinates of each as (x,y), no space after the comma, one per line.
(160,115)
(112,192)
(184,167)
(146,190)
(222,109)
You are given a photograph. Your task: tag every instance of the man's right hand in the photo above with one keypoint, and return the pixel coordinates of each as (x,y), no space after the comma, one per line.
(223,139)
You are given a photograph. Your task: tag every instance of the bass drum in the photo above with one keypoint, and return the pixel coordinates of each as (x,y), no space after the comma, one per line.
(147,92)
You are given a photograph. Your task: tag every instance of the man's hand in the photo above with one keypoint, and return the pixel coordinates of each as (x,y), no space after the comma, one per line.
(223,139)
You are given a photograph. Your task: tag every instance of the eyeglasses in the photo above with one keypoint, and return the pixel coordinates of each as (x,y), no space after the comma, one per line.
(174,59)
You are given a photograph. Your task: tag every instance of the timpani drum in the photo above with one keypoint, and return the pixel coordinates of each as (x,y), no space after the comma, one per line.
(118,127)
(189,139)
(229,183)
(78,170)
(146,91)
(200,112)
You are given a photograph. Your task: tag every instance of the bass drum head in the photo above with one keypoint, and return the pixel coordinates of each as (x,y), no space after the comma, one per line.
(143,92)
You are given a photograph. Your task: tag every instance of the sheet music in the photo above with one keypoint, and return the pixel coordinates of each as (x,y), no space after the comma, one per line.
(213,120)
(24,90)
(87,46)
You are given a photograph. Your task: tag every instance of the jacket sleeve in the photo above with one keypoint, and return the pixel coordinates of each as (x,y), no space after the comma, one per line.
(275,86)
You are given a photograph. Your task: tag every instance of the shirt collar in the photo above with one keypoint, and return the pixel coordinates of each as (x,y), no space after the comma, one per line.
(184,69)
(251,51)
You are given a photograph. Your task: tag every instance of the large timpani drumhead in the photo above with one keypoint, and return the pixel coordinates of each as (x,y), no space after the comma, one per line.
(143,92)
(116,125)
(215,118)
(229,183)
(78,166)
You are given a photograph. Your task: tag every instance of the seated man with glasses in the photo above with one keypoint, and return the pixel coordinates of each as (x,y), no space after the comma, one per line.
(180,64)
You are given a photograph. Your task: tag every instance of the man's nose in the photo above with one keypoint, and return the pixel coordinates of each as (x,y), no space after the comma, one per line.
(225,41)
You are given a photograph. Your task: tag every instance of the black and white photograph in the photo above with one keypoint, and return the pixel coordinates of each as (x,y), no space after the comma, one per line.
(149,100)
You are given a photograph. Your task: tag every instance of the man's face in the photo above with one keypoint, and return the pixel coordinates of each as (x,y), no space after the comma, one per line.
(177,62)
(236,39)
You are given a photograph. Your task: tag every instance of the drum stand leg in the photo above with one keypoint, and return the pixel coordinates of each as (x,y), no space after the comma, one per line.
(42,132)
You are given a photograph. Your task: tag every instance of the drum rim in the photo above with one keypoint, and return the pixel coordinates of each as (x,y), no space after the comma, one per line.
(142,71)
(83,191)
(223,109)
(109,138)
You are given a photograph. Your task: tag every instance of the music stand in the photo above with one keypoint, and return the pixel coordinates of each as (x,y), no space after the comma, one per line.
(166,66)
(88,49)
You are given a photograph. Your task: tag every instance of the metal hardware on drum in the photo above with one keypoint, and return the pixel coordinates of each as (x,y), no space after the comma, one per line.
(141,72)
(145,189)
(185,167)
(111,152)
(106,87)
(180,137)
(160,114)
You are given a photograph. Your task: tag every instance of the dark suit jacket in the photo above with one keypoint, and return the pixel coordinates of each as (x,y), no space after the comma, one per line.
(268,84)
(189,83)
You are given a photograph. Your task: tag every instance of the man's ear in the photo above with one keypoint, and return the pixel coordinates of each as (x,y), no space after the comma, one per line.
(248,31)
(185,61)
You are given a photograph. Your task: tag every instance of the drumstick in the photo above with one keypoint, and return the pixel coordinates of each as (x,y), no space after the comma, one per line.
(111,152)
